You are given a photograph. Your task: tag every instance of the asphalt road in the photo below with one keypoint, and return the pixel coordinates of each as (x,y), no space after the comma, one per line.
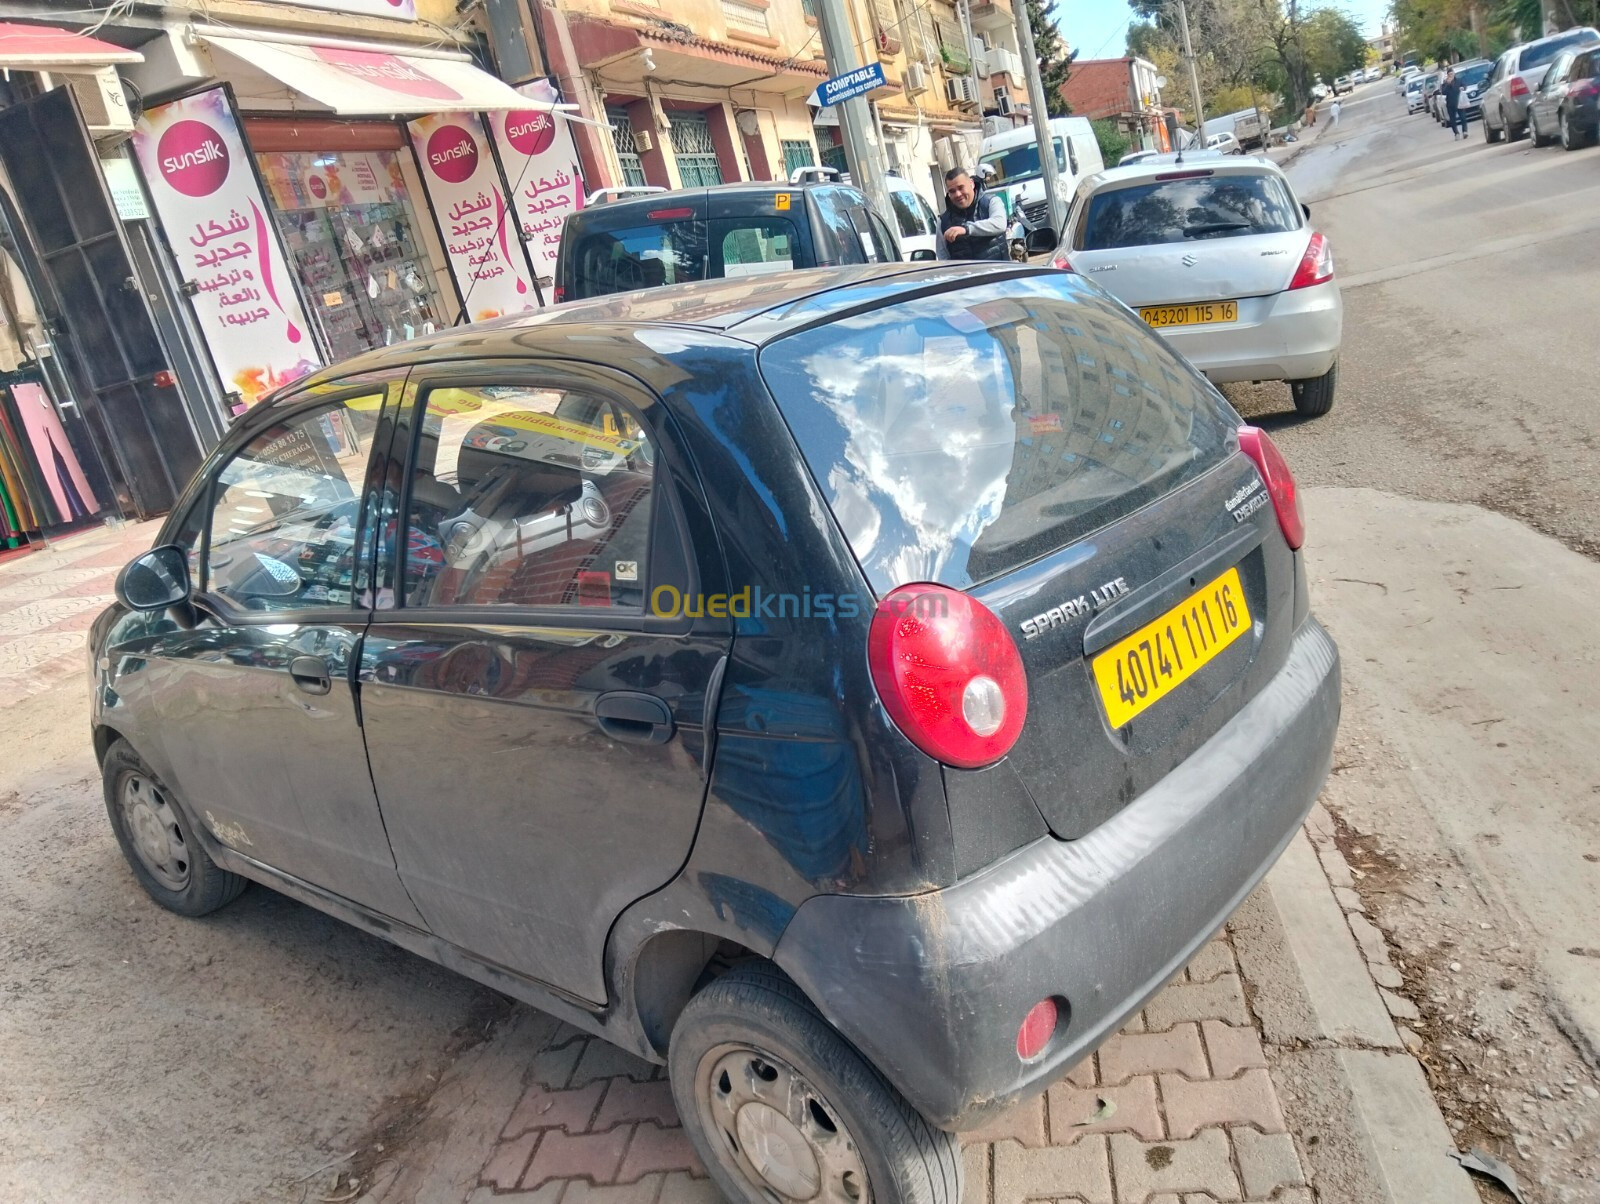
(1453,498)
(1471,277)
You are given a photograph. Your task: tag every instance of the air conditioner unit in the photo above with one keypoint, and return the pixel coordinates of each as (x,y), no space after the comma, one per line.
(916,79)
(960,90)
(946,154)
(105,107)
(1002,101)
(1003,62)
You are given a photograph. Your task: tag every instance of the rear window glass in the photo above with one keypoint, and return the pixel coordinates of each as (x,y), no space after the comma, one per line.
(1541,53)
(1022,162)
(1166,211)
(753,246)
(961,435)
(1473,75)
(644,256)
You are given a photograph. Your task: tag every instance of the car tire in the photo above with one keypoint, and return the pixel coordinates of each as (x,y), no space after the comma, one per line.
(1571,139)
(156,837)
(1314,397)
(1490,134)
(751,1037)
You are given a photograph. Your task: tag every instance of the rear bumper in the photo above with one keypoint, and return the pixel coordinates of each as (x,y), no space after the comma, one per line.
(1297,339)
(933,987)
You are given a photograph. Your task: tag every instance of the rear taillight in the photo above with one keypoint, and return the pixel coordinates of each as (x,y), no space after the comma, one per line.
(1275,474)
(1060,260)
(1316,265)
(948,673)
(1517,86)
(560,293)
(1587,87)
(1038,1026)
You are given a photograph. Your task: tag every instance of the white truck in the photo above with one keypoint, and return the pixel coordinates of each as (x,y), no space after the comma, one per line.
(1017,180)
(1245,125)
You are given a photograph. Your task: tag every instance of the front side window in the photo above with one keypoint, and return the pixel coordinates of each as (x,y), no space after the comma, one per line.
(1169,211)
(523,496)
(282,528)
(1022,162)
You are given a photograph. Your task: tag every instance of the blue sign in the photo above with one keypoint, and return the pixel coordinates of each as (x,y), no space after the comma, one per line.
(852,83)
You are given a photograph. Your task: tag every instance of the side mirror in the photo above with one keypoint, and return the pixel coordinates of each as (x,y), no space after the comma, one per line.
(156,580)
(923,255)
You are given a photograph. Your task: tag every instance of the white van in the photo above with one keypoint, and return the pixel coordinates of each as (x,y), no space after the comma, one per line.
(1014,155)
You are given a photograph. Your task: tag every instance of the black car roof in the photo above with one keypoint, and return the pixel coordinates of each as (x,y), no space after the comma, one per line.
(753,189)
(753,309)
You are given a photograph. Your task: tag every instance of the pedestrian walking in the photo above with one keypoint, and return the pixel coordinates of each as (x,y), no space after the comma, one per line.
(1333,111)
(1451,91)
(974,222)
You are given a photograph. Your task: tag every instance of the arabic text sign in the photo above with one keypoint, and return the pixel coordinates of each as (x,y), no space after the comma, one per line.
(201,182)
(541,162)
(480,231)
(852,83)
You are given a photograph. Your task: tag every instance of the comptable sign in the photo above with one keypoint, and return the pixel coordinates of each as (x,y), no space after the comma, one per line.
(205,190)
(480,232)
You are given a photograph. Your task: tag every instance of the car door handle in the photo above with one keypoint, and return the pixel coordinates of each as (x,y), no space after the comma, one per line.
(311,674)
(636,718)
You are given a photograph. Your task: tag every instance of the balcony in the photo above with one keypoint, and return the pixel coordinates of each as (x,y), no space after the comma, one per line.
(991,15)
(1001,61)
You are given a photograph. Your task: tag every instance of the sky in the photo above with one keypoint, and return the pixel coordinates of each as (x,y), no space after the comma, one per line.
(1099,28)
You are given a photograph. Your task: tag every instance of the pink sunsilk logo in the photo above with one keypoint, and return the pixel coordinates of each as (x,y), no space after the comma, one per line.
(530,133)
(387,71)
(452,154)
(193,158)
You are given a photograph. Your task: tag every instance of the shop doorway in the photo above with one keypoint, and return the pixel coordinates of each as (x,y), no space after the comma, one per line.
(93,305)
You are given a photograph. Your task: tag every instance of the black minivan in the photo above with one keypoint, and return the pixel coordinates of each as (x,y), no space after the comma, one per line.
(859,690)
(727,231)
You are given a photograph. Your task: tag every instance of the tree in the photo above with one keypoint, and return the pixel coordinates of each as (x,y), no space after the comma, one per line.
(1113,141)
(1055,61)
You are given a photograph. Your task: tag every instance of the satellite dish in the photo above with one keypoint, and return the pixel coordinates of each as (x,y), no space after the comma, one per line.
(1161,81)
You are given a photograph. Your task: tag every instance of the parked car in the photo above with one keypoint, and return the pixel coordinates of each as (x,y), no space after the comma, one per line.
(1414,93)
(1403,80)
(1568,86)
(1516,74)
(1431,83)
(1343,83)
(1224,144)
(1220,257)
(901,596)
(738,230)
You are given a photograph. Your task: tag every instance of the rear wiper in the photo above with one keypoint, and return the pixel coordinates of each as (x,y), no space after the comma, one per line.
(1202,230)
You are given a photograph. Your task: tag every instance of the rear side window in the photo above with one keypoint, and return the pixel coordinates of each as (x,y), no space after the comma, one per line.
(642,256)
(961,435)
(906,214)
(756,246)
(1168,211)
(1541,53)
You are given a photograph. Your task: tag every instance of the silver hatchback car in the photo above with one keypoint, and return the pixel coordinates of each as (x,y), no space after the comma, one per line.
(1218,255)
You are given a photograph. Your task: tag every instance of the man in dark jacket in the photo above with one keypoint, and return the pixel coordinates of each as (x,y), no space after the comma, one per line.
(973,223)
(1450,90)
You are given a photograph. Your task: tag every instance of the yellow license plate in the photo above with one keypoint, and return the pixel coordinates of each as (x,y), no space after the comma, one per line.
(1137,672)
(1190,315)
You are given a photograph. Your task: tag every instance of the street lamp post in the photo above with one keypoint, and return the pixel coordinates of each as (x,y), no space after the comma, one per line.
(855,122)
(1041,116)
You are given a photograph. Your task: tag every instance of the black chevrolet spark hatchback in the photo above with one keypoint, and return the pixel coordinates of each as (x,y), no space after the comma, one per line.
(859,690)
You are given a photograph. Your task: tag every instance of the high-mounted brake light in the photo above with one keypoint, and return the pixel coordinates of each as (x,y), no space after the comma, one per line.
(948,673)
(1185,175)
(1274,469)
(1316,265)
(670,215)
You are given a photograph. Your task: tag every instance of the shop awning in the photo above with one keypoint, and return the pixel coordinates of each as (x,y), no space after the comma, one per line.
(376,82)
(46,48)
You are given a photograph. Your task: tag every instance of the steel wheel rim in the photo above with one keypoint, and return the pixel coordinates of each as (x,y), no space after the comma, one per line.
(774,1131)
(154,831)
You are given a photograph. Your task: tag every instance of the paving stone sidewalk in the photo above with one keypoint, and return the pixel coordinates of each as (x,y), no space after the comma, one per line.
(1178,1108)
(49,598)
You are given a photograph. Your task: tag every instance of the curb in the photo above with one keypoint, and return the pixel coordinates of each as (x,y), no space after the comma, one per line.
(1365,1120)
